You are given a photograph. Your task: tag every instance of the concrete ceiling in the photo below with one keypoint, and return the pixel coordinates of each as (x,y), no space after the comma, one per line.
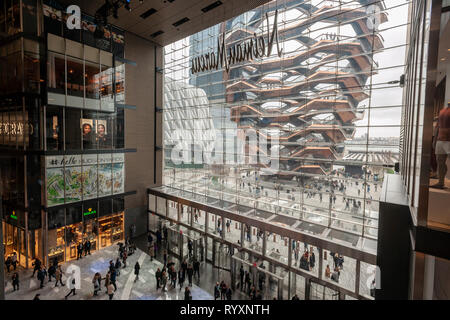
(168,12)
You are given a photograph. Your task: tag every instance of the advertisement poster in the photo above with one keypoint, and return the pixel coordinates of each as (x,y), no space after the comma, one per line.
(52,19)
(73,182)
(89,182)
(104,179)
(55,186)
(118,41)
(118,178)
(88,27)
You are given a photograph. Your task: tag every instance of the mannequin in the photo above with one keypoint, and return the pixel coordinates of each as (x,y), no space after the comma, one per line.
(442,145)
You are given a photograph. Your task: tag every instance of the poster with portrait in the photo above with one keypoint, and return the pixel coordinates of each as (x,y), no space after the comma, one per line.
(52,17)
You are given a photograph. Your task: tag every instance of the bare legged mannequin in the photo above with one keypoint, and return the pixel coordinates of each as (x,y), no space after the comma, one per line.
(442,146)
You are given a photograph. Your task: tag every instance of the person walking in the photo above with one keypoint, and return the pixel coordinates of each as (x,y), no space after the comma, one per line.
(187,294)
(79,251)
(151,251)
(165,257)
(124,258)
(87,248)
(163,281)
(223,289)
(137,267)
(216,291)
(58,276)
(158,274)
(15,281)
(107,280)
(180,278)
(241,276)
(8,263)
(36,297)
(14,260)
(41,277)
(110,291)
(174,277)
(72,288)
(190,245)
(112,278)
(247,281)
(190,273)
(228,293)
(196,266)
(37,266)
(117,266)
(96,283)
(51,272)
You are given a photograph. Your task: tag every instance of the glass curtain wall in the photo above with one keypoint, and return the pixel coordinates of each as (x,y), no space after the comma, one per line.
(305,132)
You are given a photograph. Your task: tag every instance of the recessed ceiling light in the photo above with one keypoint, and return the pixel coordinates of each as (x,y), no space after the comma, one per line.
(443,59)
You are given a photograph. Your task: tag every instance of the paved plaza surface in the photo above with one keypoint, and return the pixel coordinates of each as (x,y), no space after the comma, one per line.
(127,288)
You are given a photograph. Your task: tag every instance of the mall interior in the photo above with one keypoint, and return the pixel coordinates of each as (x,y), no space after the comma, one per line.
(305,140)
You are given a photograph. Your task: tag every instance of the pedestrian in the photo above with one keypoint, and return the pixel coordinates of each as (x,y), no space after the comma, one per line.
(190,272)
(58,276)
(196,266)
(15,281)
(187,294)
(228,293)
(14,260)
(110,291)
(41,277)
(112,278)
(117,266)
(137,267)
(216,291)
(174,277)
(158,274)
(95,282)
(51,272)
(165,257)
(36,297)
(223,289)
(72,287)
(87,248)
(37,266)
(247,281)
(295,297)
(8,263)
(80,251)
(107,280)
(241,275)
(180,278)
(190,247)
(124,258)
(151,251)
(163,281)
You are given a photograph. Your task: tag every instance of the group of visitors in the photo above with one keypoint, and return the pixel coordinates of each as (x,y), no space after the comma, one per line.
(222,291)
(338,265)
(83,248)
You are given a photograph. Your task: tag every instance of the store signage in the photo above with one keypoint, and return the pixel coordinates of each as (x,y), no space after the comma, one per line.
(225,56)
(89,212)
(13,215)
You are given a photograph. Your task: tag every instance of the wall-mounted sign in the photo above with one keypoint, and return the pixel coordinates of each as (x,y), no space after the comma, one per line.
(256,47)
(89,212)
(13,215)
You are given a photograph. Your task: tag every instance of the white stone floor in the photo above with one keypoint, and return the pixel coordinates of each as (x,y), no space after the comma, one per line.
(127,289)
